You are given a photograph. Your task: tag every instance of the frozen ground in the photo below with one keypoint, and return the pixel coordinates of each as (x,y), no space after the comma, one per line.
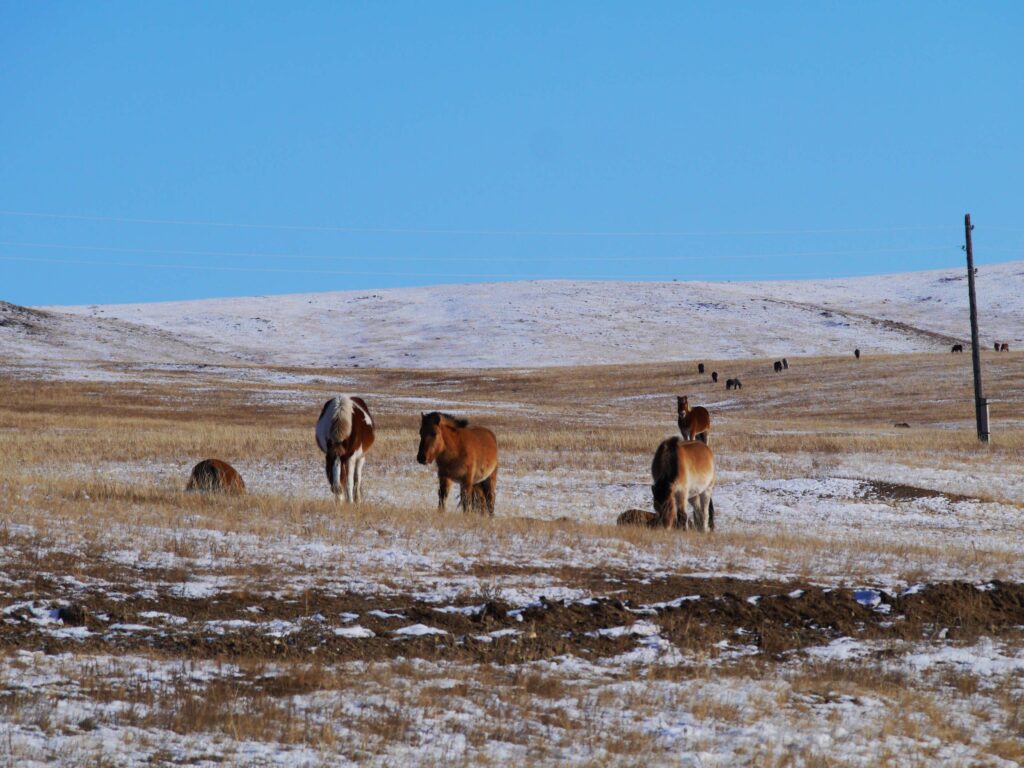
(541,323)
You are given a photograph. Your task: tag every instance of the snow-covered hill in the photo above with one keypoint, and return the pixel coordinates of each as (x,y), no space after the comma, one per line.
(543,323)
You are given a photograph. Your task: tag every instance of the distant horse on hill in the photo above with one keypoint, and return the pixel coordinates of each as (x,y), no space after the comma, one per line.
(856,353)
(1004,347)
(683,472)
(345,434)
(778,366)
(714,376)
(957,348)
(733,384)
(700,368)
(695,423)
(464,454)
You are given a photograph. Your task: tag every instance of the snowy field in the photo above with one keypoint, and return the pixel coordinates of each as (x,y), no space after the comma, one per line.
(545,323)
(861,601)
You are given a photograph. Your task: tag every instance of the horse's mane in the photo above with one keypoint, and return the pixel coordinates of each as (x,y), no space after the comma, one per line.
(449,420)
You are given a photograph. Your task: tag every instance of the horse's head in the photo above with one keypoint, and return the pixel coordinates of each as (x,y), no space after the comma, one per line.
(682,404)
(431,436)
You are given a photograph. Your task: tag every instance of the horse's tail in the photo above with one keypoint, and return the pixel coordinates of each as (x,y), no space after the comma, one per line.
(335,476)
(335,422)
(711,514)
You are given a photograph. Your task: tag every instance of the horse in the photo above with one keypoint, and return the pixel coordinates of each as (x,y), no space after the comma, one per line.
(714,376)
(778,366)
(683,472)
(694,424)
(1004,347)
(700,368)
(215,475)
(856,353)
(785,364)
(957,348)
(465,454)
(344,432)
(996,345)
(637,517)
(733,384)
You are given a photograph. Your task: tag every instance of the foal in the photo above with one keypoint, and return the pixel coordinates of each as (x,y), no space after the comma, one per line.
(344,433)
(468,455)
(695,423)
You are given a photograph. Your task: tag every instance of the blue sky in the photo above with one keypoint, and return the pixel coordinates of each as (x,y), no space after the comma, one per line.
(352,145)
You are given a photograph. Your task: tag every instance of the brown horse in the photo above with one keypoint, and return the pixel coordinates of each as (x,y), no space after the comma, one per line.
(695,423)
(344,433)
(465,454)
(637,517)
(683,472)
(1004,347)
(215,475)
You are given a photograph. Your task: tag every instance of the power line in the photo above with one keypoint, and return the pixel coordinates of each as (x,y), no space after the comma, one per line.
(432,275)
(569,257)
(473,232)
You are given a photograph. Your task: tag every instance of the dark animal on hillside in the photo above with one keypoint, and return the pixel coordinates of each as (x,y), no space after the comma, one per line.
(996,345)
(464,454)
(637,517)
(856,353)
(957,348)
(700,368)
(778,366)
(694,423)
(1004,347)
(714,376)
(683,472)
(215,475)
(785,363)
(344,432)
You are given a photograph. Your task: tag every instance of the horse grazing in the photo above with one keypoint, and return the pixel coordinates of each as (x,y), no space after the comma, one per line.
(344,433)
(215,475)
(785,364)
(714,376)
(464,454)
(637,517)
(856,353)
(700,368)
(957,348)
(778,366)
(733,384)
(695,423)
(683,472)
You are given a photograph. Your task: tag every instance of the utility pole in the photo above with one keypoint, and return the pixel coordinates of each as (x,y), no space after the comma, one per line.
(980,403)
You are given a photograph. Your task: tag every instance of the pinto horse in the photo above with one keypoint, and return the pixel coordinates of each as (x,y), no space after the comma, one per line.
(344,433)
(464,454)
(683,472)
(694,423)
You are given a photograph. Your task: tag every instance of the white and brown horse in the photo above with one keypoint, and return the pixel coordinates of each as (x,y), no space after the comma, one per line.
(694,423)
(344,433)
(464,454)
(683,472)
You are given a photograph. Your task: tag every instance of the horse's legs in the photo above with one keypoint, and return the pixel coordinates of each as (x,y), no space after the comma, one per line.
(358,469)
(349,472)
(700,512)
(682,508)
(334,474)
(444,485)
(490,489)
(668,512)
(468,493)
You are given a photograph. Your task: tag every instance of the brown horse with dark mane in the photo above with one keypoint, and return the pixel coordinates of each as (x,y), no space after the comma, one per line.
(215,475)
(694,423)
(683,472)
(464,454)
(344,433)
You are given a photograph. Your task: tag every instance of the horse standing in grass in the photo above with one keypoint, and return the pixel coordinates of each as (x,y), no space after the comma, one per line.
(683,472)
(957,348)
(344,433)
(694,423)
(464,454)
(1004,347)
(215,475)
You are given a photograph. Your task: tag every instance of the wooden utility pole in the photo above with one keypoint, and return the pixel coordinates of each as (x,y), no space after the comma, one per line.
(980,403)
